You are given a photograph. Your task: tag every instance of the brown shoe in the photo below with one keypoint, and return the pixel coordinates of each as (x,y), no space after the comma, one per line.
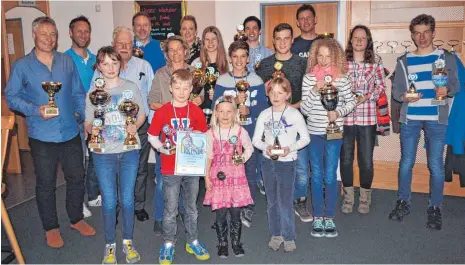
(54,239)
(84,228)
(348,202)
(364,201)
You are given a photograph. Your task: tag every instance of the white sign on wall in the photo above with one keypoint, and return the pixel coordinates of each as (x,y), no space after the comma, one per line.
(27,3)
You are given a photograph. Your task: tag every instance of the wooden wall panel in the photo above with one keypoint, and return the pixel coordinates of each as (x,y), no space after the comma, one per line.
(274,14)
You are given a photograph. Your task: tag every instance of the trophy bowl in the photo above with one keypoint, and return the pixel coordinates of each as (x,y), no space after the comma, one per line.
(277,73)
(329,99)
(240,35)
(242,86)
(130,109)
(51,88)
(440,79)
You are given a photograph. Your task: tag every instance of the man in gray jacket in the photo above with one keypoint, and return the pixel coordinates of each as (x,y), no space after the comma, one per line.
(418,113)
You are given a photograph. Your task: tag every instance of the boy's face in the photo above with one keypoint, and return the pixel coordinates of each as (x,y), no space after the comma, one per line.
(239,59)
(252,30)
(181,91)
(423,36)
(283,41)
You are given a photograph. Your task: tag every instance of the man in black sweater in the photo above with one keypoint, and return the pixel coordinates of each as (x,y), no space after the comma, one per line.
(306,22)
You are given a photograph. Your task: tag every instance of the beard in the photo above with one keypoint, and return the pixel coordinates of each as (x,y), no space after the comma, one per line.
(82,46)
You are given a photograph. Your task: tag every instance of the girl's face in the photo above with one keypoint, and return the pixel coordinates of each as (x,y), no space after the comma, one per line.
(323,57)
(225,114)
(359,40)
(239,59)
(278,96)
(109,67)
(210,42)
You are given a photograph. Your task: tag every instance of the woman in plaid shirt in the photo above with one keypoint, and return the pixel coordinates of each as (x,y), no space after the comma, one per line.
(366,70)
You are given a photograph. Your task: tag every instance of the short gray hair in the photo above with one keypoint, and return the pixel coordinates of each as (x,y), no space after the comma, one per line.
(42,20)
(183,43)
(118,30)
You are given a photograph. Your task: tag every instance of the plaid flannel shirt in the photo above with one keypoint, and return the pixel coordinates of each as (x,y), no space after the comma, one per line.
(368,79)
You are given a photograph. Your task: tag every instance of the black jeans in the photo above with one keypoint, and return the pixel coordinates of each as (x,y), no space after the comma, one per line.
(221,214)
(46,156)
(142,171)
(365,136)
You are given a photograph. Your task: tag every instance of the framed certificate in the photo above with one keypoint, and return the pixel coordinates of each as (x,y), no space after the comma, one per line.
(191,154)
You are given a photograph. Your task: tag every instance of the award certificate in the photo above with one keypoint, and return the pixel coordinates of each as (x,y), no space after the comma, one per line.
(191,154)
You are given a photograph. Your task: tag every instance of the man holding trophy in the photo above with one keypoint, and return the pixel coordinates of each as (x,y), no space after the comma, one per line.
(52,127)
(419,113)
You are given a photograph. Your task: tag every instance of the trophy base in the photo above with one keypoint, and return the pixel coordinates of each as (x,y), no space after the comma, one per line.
(238,160)
(412,95)
(98,150)
(438,102)
(96,146)
(277,151)
(172,151)
(131,147)
(51,111)
(334,136)
(245,122)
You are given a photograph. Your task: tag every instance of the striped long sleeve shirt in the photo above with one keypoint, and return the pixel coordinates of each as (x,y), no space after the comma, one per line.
(317,115)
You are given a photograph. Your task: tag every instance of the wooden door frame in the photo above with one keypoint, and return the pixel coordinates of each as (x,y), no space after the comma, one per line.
(263,5)
(22,33)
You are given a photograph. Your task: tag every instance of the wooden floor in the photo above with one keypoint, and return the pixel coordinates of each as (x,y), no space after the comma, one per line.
(386,178)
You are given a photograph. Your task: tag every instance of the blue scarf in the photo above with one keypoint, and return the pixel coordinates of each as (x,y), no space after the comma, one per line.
(455,135)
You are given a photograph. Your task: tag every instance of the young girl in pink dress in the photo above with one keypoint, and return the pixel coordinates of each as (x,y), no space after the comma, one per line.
(225,181)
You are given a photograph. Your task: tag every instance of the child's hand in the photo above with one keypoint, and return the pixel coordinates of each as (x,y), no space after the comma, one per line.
(210,94)
(268,150)
(164,151)
(208,183)
(244,110)
(197,101)
(332,115)
(131,129)
(286,151)
(241,97)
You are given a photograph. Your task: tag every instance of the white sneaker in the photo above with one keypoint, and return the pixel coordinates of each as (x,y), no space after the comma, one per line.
(97,202)
(86,211)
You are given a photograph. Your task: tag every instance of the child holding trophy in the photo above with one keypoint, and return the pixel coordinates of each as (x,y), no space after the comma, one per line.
(325,112)
(114,160)
(179,115)
(225,181)
(249,92)
(280,125)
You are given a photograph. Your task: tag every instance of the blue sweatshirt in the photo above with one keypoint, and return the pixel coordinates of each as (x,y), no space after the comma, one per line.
(256,96)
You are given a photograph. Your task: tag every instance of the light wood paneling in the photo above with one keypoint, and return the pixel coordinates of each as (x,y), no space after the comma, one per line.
(326,14)
(410,4)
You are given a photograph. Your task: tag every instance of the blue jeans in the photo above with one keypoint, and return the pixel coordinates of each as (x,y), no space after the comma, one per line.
(91,178)
(324,157)
(251,173)
(172,188)
(435,134)
(279,178)
(302,173)
(109,167)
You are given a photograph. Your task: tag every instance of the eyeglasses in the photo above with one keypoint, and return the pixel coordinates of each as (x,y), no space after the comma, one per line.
(120,45)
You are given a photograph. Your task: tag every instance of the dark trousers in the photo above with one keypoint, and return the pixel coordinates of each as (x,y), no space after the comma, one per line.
(365,136)
(251,173)
(46,156)
(142,171)
(221,214)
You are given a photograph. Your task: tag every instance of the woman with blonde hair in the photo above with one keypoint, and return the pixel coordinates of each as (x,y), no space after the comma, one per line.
(189,34)
(326,65)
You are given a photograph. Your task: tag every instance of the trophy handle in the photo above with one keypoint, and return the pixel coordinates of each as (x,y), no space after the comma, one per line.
(452,44)
(406,44)
(392,44)
(377,45)
(438,43)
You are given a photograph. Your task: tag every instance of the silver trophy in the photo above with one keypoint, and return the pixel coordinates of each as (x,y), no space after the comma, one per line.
(99,98)
(167,143)
(439,80)
(329,99)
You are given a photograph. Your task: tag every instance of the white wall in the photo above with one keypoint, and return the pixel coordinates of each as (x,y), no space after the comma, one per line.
(27,15)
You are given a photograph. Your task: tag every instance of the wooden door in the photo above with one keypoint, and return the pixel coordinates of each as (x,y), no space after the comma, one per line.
(14,36)
(326,14)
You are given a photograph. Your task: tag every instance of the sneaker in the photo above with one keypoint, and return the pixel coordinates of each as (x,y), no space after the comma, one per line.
(246,217)
(166,254)
(289,246)
(196,248)
(158,228)
(85,211)
(434,218)
(330,228)
(110,254)
(132,256)
(300,209)
(318,227)
(261,187)
(402,209)
(97,202)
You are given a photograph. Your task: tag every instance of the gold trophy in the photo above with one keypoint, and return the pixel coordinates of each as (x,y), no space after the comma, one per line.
(329,99)
(138,52)
(359,97)
(412,90)
(167,144)
(130,109)
(237,159)
(198,80)
(439,80)
(242,86)
(276,149)
(326,35)
(240,35)
(99,98)
(277,73)
(51,88)
(258,58)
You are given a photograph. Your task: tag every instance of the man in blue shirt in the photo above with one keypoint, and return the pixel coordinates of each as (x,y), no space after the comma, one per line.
(79,32)
(140,72)
(257,52)
(54,138)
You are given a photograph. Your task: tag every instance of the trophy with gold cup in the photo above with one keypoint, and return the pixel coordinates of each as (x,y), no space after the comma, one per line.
(439,80)
(198,80)
(51,88)
(237,159)
(412,89)
(240,35)
(277,70)
(329,99)
(242,86)
(138,52)
(99,98)
(130,109)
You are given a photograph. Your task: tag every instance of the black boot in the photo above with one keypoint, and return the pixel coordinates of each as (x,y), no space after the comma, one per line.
(235,233)
(222,233)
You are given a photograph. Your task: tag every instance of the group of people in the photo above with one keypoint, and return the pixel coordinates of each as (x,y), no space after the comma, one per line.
(282,106)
